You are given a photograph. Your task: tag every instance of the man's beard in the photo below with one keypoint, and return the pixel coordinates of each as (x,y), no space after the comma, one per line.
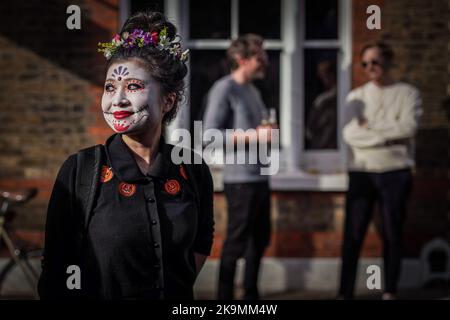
(259,74)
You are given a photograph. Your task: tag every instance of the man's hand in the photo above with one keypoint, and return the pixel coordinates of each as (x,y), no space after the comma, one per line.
(363,123)
(264,132)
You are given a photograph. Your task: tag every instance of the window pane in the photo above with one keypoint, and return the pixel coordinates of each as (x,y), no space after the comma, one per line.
(265,21)
(320,99)
(269,87)
(206,67)
(142,5)
(321,19)
(210,19)
(209,65)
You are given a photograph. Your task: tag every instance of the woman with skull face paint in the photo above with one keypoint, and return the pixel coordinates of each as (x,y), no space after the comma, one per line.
(151,226)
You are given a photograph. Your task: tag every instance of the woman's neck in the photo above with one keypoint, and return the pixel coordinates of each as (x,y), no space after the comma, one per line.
(144,145)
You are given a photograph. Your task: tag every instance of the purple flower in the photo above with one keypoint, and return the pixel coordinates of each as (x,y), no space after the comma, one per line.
(129,42)
(137,33)
(147,38)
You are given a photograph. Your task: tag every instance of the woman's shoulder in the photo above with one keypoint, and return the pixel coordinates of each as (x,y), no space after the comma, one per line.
(67,173)
(70,163)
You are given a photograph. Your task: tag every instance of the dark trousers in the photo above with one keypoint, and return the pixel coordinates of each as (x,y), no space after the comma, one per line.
(391,190)
(248,234)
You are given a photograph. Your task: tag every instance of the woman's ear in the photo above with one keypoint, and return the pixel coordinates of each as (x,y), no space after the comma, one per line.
(168,102)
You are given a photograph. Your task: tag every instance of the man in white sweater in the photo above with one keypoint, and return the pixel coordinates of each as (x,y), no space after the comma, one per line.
(382,119)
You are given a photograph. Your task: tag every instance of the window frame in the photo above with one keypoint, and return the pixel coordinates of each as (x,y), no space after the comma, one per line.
(297,160)
(294,160)
(326,160)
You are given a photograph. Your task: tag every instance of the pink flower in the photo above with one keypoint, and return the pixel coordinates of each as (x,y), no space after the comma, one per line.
(116,39)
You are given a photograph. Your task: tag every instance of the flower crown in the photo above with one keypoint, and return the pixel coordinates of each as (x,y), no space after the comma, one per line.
(140,38)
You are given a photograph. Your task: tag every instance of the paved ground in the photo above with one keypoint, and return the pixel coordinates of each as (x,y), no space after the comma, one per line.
(434,292)
(438,291)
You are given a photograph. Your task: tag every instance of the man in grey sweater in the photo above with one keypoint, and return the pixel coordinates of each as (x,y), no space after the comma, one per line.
(235,103)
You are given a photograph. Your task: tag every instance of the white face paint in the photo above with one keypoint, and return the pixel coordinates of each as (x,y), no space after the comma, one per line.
(131,98)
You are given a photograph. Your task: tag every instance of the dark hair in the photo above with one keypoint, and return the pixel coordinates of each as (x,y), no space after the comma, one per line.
(164,67)
(385,49)
(244,46)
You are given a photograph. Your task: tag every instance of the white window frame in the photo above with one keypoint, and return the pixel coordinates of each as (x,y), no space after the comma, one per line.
(331,163)
(295,161)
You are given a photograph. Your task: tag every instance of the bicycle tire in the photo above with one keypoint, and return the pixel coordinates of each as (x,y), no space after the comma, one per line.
(13,282)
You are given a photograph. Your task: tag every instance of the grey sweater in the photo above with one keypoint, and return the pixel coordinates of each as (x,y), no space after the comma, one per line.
(235,106)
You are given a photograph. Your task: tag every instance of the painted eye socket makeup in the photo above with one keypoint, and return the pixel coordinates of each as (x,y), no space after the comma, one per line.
(109,88)
(135,85)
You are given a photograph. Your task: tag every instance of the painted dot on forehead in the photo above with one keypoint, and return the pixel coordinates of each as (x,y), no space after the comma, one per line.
(119,72)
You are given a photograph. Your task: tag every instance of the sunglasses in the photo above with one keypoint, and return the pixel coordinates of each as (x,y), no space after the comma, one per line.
(365,64)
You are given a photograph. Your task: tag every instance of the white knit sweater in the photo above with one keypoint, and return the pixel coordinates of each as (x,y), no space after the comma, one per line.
(392,113)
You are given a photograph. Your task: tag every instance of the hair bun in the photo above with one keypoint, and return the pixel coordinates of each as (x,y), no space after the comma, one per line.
(149,21)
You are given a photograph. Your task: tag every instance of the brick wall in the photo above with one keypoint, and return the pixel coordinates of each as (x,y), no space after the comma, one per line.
(309,224)
(419,32)
(49,102)
(51,83)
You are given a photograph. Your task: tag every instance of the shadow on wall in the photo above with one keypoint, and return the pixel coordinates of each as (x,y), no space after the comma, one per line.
(40,26)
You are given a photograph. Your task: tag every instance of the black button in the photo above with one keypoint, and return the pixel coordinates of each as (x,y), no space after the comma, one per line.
(154,222)
(151,200)
(156,245)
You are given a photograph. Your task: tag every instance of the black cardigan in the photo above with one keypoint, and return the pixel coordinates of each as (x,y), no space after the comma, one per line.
(143,232)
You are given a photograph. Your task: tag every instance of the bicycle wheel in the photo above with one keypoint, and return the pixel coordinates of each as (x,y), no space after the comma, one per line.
(20,281)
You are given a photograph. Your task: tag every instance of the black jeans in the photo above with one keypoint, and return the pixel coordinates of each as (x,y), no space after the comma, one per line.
(248,234)
(391,190)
